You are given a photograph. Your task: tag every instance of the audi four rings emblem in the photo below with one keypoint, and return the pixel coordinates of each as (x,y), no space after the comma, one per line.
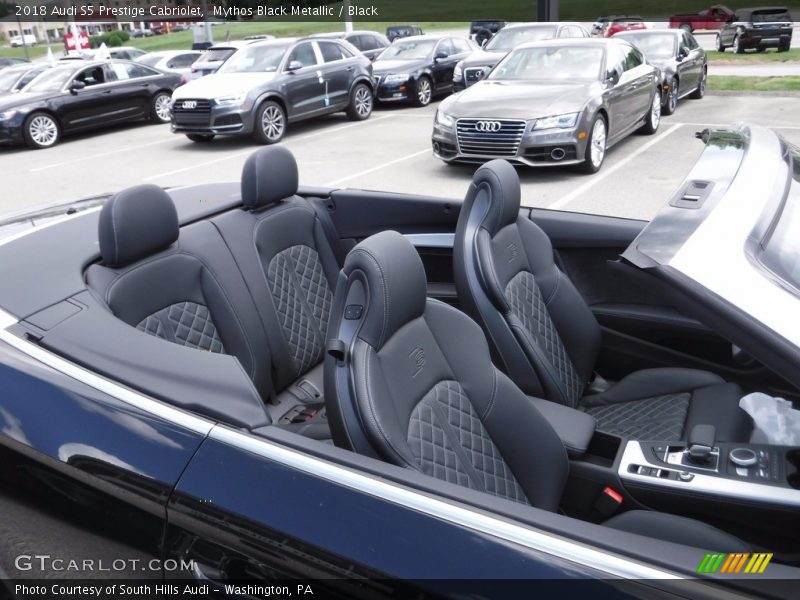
(488,126)
(189,104)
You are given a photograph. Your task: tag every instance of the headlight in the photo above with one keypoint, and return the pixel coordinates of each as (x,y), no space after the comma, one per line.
(458,72)
(444,119)
(9,114)
(230,100)
(567,121)
(397,78)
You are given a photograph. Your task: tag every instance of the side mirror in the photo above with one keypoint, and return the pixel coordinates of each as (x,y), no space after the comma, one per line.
(439,56)
(294,65)
(76,86)
(612,77)
(682,53)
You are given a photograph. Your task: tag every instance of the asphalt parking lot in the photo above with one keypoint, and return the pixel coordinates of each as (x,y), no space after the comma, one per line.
(390,151)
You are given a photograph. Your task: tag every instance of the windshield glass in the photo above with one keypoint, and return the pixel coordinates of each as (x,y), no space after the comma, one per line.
(8,79)
(782,250)
(255,59)
(409,50)
(50,80)
(215,55)
(508,39)
(150,61)
(550,63)
(653,46)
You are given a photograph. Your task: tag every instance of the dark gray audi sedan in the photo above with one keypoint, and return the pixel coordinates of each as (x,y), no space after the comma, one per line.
(267,85)
(557,102)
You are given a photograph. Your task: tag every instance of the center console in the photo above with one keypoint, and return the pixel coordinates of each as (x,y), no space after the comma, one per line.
(758,473)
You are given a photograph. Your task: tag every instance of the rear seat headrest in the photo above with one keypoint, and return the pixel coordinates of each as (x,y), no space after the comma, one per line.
(135,223)
(269,176)
(500,180)
(397,284)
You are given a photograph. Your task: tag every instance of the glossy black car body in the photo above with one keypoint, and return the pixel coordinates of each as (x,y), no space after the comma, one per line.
(475,66)
(417,68)
(116,445)
(78,95)
(757,28)
(681,60)
(304,78)
(369,43)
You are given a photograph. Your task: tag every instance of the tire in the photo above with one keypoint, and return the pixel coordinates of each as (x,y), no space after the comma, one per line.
(687,27)
(270,123)
(668,107)
(653,117)
(483,36)
(159,108)
(784,47)
(719,44)
(361,103)
(423,92)
(737,45)
(596,147)
(700,90)
(41,130)
(761,49)
(200,138)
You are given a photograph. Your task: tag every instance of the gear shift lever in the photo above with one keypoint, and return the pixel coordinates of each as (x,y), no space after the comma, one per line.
(701,443)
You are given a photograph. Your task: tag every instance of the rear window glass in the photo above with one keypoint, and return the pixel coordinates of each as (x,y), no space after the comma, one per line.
(765,16)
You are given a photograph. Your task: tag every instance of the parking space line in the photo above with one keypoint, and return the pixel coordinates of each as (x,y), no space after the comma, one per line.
(94,156)
(594,180)
(336,182)
(251,150)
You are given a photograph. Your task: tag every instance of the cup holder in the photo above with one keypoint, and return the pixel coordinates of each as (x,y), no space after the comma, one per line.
(793,468)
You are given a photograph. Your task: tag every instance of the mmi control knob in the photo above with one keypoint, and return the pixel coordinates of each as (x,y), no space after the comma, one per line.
(744,457)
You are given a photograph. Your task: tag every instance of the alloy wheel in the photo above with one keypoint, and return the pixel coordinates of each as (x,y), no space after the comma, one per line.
(655,111)
(272,123)
(424,92)
(363,101)
(43,130)
(598,149)
(672,99)
(161,106)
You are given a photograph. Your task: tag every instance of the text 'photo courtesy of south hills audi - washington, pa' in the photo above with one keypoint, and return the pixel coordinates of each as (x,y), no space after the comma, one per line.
(399,299)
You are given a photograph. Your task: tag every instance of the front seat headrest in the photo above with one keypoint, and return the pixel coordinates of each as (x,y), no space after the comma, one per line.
(269,175)
(396,282)
(136,223)
(501,181)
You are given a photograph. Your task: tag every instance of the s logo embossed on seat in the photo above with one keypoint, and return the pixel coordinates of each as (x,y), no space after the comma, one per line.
(417,356)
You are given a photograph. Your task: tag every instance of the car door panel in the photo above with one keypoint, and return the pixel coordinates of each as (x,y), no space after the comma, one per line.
(305,87)
(83,476)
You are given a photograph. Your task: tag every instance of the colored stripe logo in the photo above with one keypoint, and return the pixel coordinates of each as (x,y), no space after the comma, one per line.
(734,562)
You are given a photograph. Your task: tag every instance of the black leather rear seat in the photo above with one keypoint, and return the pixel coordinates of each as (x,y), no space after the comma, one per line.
(290,268)
(254,283)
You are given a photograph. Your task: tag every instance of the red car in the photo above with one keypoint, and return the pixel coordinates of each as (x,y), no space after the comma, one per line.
(617,24)
(713,17)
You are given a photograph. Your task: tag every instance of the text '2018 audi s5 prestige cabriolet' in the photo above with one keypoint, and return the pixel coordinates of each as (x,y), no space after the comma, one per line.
(558,102)
(259,380)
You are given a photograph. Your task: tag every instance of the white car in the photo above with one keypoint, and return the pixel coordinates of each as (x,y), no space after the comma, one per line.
(19,40)
(171,61)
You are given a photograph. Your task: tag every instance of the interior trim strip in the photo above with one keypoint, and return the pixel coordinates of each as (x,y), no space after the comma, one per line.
(598,560)
(431,240)
(706,484)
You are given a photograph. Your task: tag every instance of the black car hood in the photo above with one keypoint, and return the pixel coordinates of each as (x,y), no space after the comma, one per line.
(483,58)
(8,101)
(384,67)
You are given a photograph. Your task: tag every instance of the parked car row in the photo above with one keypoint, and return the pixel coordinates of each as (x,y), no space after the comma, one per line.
(538,94)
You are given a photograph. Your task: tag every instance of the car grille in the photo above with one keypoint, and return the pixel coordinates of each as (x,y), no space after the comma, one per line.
(473,75)
(503,142)
(198,115)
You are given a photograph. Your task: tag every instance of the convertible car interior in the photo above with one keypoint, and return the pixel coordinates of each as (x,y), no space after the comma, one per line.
(507,350)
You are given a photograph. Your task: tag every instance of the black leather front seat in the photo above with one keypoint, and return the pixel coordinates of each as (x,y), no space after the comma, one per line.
(420,391)
(546,338)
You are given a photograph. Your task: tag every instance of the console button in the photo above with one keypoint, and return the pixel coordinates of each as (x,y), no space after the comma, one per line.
(685,476)
(744,457)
